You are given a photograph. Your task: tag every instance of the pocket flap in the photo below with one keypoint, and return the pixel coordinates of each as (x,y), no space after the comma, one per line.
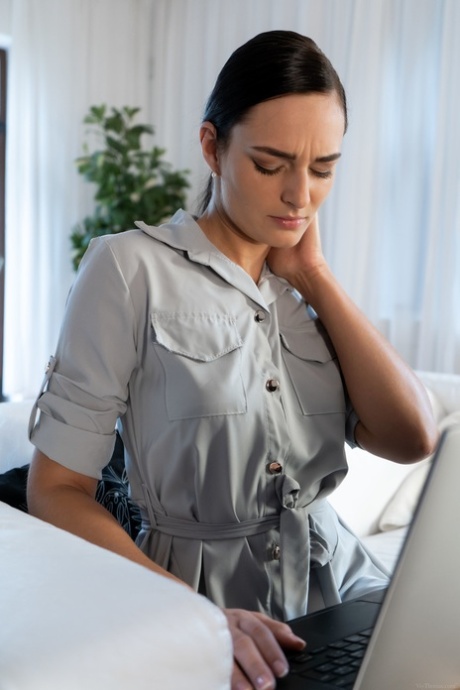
(203,337)
(309,345)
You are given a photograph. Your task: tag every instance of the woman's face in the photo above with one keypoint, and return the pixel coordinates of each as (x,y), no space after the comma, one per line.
(279,167)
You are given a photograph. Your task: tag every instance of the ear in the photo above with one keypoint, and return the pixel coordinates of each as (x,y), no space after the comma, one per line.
(208,139)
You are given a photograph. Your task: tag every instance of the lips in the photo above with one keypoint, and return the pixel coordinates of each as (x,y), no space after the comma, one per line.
(289,222)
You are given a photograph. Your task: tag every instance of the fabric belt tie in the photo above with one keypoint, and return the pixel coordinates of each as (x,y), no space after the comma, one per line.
(295,548)
(188,529)
(301,547)
(202,531)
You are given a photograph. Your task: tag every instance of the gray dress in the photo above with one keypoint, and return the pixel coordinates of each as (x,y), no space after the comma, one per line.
(231,405)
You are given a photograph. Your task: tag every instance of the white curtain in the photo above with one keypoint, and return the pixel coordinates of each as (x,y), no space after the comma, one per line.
(65,56)
(391,227)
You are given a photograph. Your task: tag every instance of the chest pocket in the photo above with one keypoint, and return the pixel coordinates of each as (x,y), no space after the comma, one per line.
(314,371)
(201,358)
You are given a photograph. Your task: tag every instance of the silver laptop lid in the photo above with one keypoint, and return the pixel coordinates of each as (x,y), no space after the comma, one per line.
(416,641)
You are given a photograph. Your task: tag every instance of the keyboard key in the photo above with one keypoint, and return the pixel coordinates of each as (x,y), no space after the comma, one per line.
(358,654)
(346,682)
(335,653)
(353,638)
(354,647)
(324,667)
(340,644)
(312,674)
(300,657)
(343,670)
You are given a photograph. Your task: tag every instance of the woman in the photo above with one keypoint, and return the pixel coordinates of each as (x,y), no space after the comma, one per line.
(235,367)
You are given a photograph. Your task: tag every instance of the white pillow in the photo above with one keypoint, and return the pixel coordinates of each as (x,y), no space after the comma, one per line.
(438,408)
(399,511)
(451,420)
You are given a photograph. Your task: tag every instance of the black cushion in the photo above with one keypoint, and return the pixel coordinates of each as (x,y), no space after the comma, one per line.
(13,487)
(112,490)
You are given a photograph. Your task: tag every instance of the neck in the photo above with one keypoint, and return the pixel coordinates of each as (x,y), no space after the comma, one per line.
(231,241)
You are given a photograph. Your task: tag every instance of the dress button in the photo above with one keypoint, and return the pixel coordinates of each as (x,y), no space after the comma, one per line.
(272,385)
(259,315)
(276,553)
(274,468)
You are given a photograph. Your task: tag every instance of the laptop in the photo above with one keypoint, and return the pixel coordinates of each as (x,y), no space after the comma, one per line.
(408,636)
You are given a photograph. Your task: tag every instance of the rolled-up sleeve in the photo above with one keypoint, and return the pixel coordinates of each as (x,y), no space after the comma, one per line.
(86,387)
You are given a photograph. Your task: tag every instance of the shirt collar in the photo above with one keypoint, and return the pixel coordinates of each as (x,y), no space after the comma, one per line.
(182,232)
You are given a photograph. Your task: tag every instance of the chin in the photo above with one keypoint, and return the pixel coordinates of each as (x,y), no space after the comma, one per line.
(289,242)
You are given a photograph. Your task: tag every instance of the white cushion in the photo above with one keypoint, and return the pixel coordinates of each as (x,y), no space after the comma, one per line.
(364,493)
(439,411)
(400,509)
(77,617)
(451,420)
(445,386)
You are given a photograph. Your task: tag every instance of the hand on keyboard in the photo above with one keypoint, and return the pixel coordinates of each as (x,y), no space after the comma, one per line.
(257,641)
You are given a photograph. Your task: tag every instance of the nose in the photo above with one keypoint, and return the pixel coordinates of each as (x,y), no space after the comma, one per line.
(296,191)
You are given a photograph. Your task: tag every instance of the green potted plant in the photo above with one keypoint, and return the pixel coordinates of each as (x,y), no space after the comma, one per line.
(132,183)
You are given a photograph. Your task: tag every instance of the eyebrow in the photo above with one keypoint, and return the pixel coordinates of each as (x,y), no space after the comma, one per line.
(292,156)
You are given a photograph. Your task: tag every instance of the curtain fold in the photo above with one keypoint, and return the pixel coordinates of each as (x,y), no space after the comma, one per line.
(391,226)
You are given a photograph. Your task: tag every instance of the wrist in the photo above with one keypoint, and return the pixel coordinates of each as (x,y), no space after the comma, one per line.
(313,284)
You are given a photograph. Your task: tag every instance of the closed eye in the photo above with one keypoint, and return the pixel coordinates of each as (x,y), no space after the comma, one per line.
(323,174)
(266,171)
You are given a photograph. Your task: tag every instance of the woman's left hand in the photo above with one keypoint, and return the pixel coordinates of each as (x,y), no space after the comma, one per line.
(305,258)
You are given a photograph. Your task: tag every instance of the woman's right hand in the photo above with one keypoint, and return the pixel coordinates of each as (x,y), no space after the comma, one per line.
(257,641)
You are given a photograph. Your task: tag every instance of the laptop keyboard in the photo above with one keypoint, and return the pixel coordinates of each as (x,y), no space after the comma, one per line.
(337,663)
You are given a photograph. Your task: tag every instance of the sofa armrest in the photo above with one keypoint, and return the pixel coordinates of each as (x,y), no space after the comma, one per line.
(77,616)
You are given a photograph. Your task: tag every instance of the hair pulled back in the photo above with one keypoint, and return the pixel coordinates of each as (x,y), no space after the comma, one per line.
(270,65)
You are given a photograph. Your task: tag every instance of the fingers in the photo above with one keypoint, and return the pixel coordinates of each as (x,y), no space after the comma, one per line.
(305,257)
(282,631)
(258,653)
(256,648)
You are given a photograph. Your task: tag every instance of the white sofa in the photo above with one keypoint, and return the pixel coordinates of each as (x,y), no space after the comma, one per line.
(81,617)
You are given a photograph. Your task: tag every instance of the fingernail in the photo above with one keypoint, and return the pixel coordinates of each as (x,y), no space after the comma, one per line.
(280,668)
(263,683)
(298,639)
